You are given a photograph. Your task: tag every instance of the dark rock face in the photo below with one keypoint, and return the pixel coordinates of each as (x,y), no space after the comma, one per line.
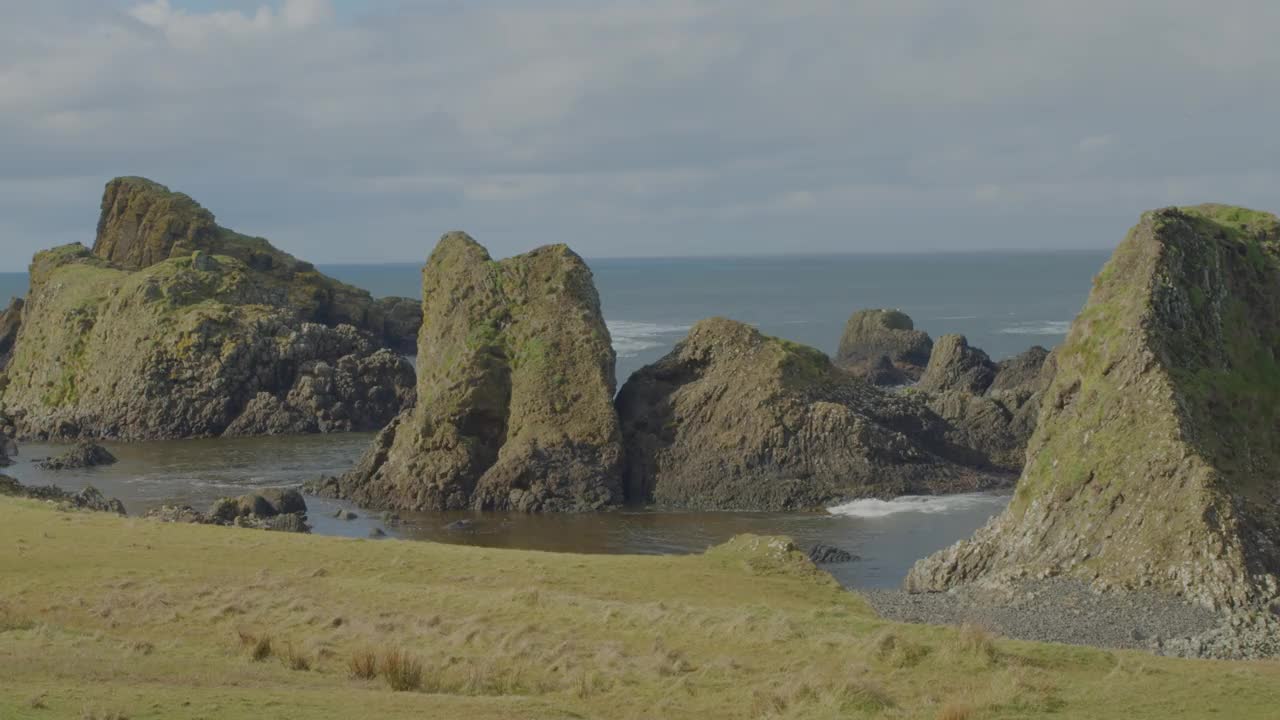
(954,365)
(281,510)
(10,322)
(875,341)
(174,327)
(1021,372)
(87,499)
(402,318)
(83,455)
(515,381)
(733,419)
(822,554)
(1153,462)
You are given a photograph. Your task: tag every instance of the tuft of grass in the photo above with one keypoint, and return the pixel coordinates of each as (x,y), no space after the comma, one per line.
(259,646)
(363,665)
(295,659)
(402,671)
(955,710)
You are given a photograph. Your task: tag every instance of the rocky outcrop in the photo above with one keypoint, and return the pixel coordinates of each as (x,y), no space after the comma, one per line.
(173,327)
(733,419)
(1153,462)
(10,321)
(83,455)
(884,346)
(89,498)
(823,554)
(991,407)
(280,510)
(515,383)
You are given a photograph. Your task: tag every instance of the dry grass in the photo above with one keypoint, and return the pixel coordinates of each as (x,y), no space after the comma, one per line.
(956,711)
(402,671)
(295,659)
(259,645)
(745,630)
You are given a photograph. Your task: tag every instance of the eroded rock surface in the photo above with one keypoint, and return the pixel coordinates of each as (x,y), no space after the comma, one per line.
(884,346)
(1153,465)
(89,498)
(733,419)
(280,510)
(515,387)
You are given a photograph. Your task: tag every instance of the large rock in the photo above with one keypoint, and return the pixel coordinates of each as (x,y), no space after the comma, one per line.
(515,388)
(280,510)
(955,365)
(83,455)
(733,419)
(1153,464)
(10,321)
(876,343)
(90,498)
(223,334)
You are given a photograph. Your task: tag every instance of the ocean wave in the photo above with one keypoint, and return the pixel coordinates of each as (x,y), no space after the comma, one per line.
(928,504)
(631,337)
(1047,327)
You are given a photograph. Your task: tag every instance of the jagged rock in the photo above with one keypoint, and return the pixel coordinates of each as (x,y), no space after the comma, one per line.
(174,327)
(177,514)
(1153,462)
(90,498)
(872,336)
(83,455)
(515,380)
(733,419)
(10,323)
(280,510)
(954,365)
(822,554)
(1024,372)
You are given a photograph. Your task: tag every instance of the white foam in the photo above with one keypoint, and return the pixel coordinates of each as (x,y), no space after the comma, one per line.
(929,504)
(631,337)
(1048,327)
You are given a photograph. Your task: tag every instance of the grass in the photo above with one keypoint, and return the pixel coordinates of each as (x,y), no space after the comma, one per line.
(150,620)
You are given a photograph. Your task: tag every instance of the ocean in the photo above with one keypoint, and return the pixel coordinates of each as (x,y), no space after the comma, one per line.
(1003,303)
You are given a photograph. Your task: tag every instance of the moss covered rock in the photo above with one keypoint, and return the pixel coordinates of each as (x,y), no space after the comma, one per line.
(733,419)
(119,342)
(515,388)
(884,346)
(1153,464)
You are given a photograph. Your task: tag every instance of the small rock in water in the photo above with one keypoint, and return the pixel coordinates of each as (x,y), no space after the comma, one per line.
(459,525)
(822,554)
(84,454)
(390,518)
(377,533)
(348,515)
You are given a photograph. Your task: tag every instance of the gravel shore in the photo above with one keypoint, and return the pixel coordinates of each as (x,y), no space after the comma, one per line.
(1056,610)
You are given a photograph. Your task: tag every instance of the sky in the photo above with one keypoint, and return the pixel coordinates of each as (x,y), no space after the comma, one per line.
(351,131)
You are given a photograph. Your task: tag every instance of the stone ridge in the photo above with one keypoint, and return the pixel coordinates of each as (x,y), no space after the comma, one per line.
(1152,464)
(734,419)
(515,383)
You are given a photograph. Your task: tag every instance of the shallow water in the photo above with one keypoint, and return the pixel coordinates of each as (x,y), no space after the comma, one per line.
(889,536)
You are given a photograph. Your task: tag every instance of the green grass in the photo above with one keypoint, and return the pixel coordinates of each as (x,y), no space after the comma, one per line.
(102,615)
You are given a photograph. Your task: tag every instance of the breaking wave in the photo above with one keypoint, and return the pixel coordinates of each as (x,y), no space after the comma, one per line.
(1049,327)
(929,504)
(630,337)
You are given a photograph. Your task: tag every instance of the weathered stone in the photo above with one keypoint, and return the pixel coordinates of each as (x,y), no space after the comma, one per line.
(954,365)
(873,338)
(733,419)
(822,554)
(10,323)
(90,498)
(515,374)
(83,455)
(174,327)
(1153,462)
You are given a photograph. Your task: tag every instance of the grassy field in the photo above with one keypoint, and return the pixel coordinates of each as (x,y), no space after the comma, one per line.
(103,617)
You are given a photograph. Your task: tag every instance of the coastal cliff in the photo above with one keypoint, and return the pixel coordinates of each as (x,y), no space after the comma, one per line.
(515,388)
(171,327)
(733,419)
(1152,465)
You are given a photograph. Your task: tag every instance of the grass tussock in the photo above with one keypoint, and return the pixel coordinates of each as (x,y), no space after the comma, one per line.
(295,659)
(259,646)
(956,710)
(402,671)
(363,665)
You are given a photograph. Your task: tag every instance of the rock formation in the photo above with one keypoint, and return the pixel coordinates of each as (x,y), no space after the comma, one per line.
(954,365)
(87,499)
(884,346)
(281,510)
(733,419)
(83,455)
(10,321)
(174,327)
(1153,464)
(515,388)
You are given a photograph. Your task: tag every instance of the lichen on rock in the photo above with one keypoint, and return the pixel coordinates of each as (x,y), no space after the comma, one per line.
(1153,461)
(515,383)
(734,419)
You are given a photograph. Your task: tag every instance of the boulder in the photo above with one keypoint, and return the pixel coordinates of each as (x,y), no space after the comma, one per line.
(874,339)
(733,419)
(83,455)
(823,554)
(515,382)
(280,510)
(174,327)
(954,365)
(1024,372)
(1153,462)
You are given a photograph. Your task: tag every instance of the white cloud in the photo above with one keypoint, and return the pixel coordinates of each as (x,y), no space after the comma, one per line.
(197,30)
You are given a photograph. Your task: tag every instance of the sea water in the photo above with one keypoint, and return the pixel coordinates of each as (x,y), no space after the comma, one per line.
(1003,303)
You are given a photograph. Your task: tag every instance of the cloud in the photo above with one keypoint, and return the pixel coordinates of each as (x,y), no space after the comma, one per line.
(634,128)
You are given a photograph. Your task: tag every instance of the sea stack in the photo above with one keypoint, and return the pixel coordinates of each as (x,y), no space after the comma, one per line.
(172,326)
(1154,461)
(734,419)
(515,389)
(884,347)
